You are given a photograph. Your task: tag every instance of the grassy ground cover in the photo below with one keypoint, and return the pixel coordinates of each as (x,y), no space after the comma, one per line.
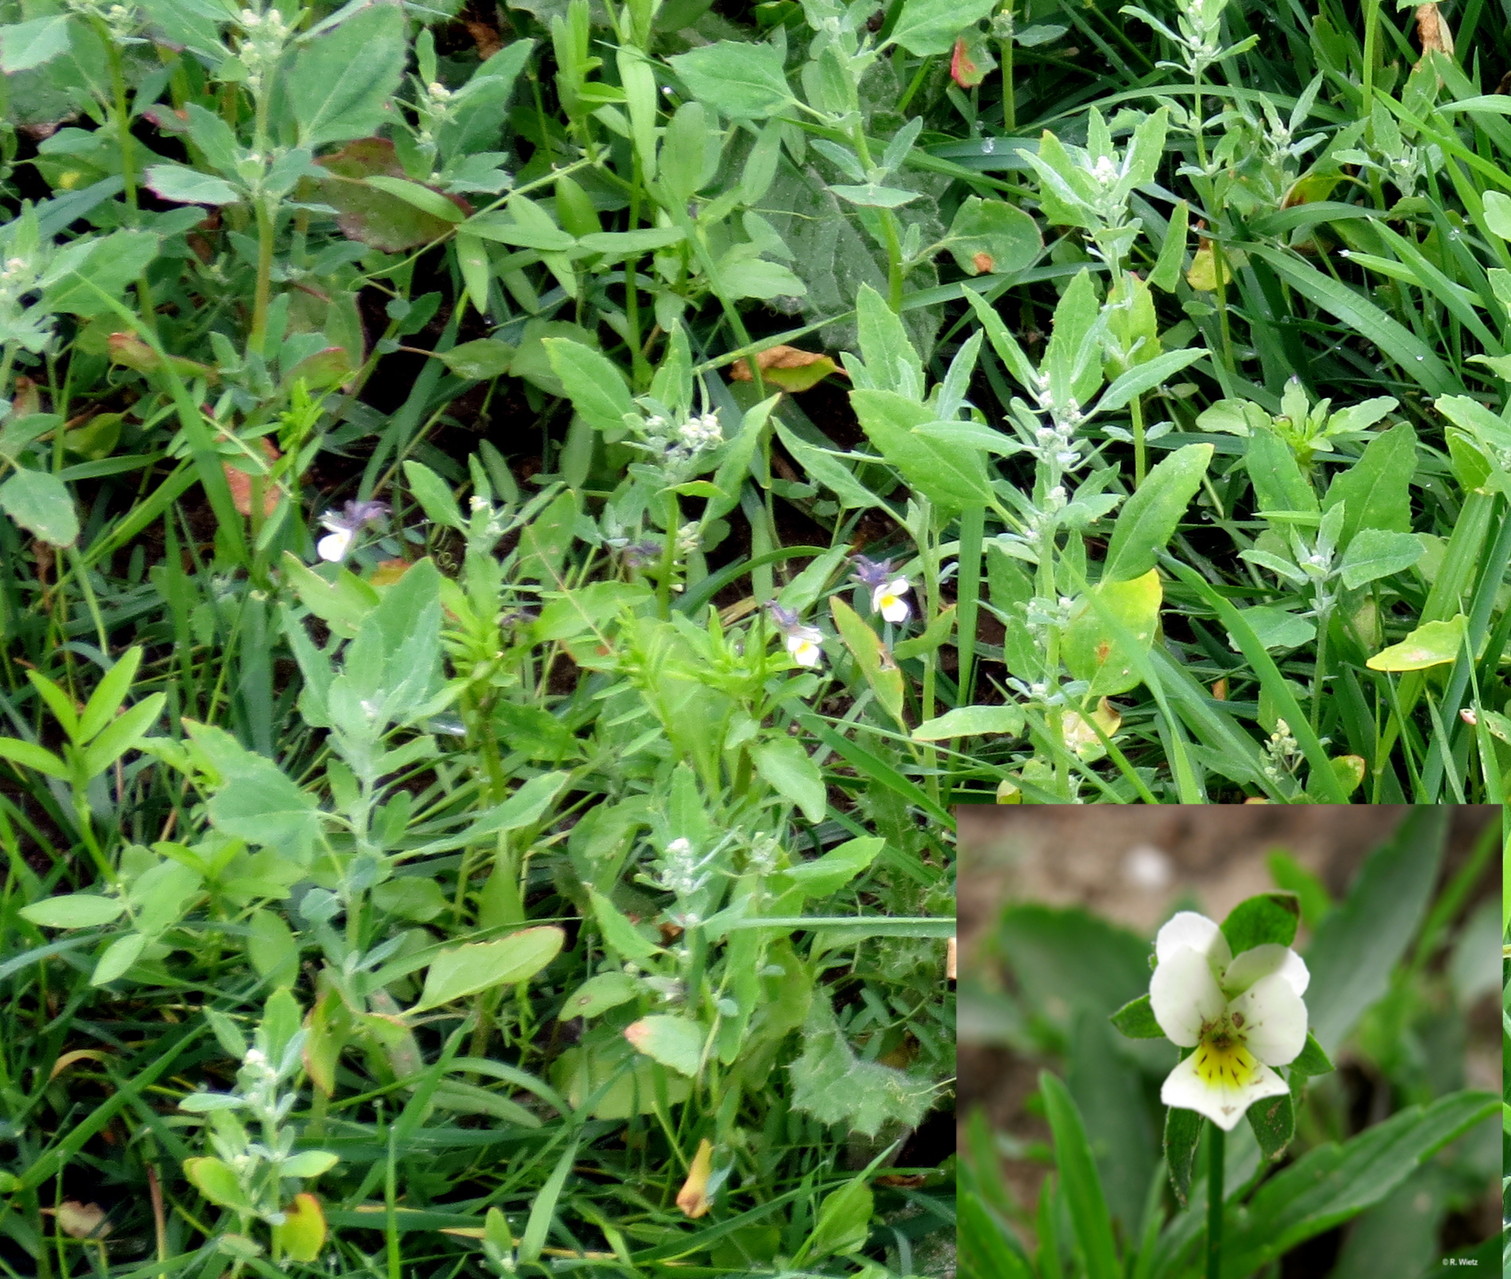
(518,521)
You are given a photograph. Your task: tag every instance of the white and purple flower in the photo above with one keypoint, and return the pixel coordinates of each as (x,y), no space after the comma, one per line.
(342,528)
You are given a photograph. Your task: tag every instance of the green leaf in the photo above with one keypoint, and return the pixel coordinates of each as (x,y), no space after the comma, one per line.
(1376,489)
(342,605)
(424,198)
(184,185)
(877,667)
(1359,944)
(598,994)
(740,80)
(1079,1181)
(789,771)
(836,1087)
(1273,1120)
(216,1181)
(1277,628)
(256,800)
(308,1163)
(272,949)
(1374,553)
(1497,204)
(950,475)
(30,755)
(1136,1019)
(475,966)
(971,721)
(91,283)
(593,383)
(1182,1131)
(676,1042)
(73,910)
(124,733)
(843,1224)
(1416,359)
(373,216)
(930,26)
(993,236)
(624,244)
(1145,376)
(1312,1061)
(434,495)
(836,868)
(344,79)
(1332,1183)
(109,695)
(620,937)
(1431,644)
(24,45)
(1268,919)
(118,958)
(891,361)
(41,504)
(871,196)
(1149,518)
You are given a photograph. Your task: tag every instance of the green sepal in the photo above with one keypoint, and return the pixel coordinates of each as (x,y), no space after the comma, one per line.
(1268,919)
(1273,1120)
(1182,1129)
(1136,1019)
(1312,1060)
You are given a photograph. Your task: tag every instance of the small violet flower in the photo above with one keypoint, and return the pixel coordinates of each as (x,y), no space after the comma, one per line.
(342,528)
(1241,1016)
(802,641)
(887,591)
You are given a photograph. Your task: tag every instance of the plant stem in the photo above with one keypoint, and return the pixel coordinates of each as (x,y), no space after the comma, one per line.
(1214,1202)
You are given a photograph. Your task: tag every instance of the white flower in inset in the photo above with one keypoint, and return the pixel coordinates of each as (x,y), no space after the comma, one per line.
(1241,1015)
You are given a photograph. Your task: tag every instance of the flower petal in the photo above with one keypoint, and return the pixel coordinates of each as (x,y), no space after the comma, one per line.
(1221,1101)
(1184,995)
(335,545)
(1261,961)
(804,651)
(1196,932)
(1274,1019)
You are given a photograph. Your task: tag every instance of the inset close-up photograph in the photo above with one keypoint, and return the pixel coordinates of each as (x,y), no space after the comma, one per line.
(1229,1042)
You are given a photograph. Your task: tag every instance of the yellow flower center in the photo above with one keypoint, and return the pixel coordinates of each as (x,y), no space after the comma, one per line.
(1223,1061)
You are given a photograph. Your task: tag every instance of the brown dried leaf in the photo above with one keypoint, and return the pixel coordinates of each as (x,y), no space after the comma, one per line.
(1432,30)
(80,1221)
(787,367)
(240,483)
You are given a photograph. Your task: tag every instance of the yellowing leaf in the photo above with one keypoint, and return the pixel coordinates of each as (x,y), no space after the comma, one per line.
(1081,737)
(301,1234)
(787,367)
(1202,273)
(1109,627)
(1432,644)
(692,1199)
